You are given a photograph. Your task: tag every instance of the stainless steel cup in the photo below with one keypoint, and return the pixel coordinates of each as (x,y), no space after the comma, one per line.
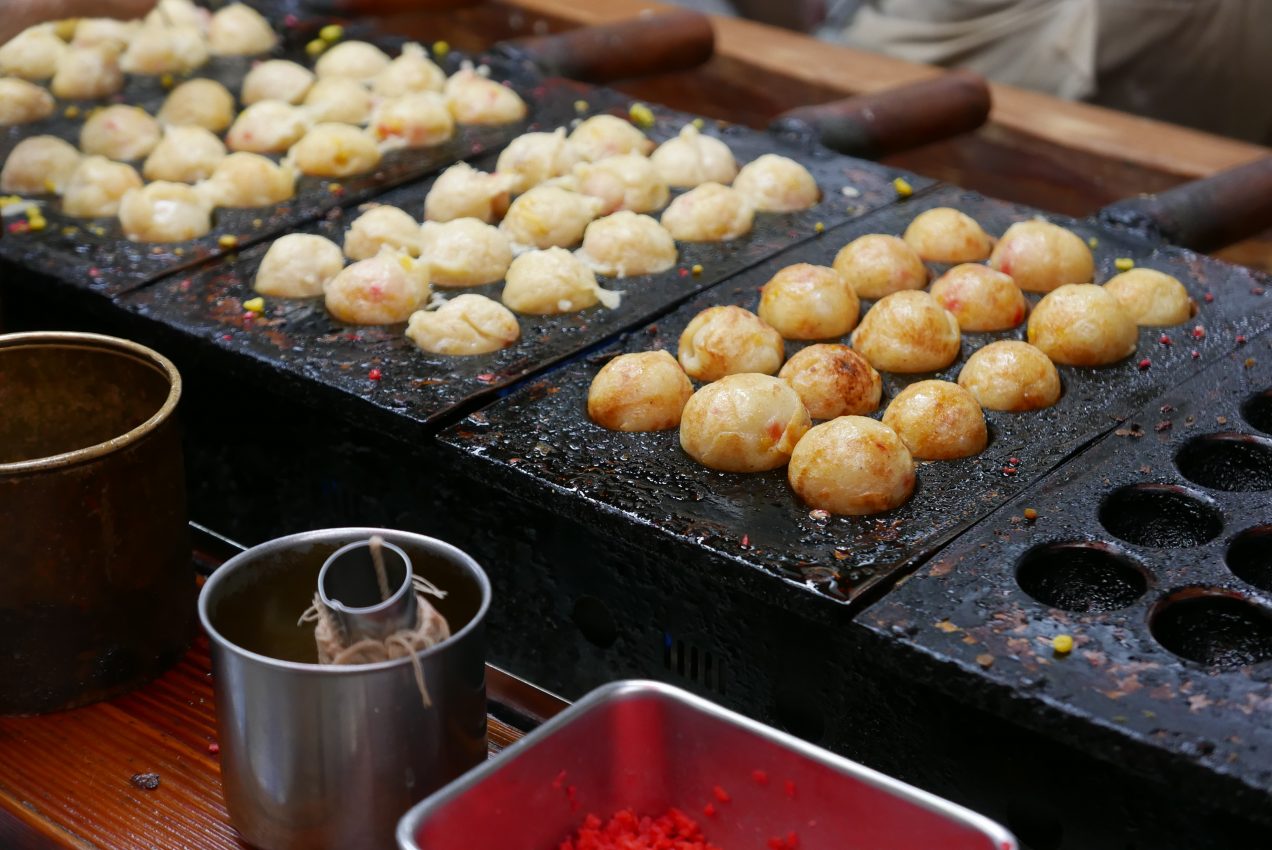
(316,756)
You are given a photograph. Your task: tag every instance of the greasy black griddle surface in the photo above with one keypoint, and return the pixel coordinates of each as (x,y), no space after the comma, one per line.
(540,435)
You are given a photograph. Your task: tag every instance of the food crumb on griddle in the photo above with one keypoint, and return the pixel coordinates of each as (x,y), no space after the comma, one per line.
(145,781)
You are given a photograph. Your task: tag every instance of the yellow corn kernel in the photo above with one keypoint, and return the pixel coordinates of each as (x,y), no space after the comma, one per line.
(1124,264)
(71,111)
(697,269)
(1062,644)
(699,123)
(331,32)
(49,186)
(641,115)
(65,28)
(1093,242)
(335,188)
(228,241)
(440,49)
(315,48)
(6,200)
(166,81)
(903,187)
(37,222)
(254,305)
(819,227)
(407,263)
(580,106)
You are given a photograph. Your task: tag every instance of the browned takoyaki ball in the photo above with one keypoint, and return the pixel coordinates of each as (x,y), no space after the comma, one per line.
(743,423)
(833,380)
(645,391)
(804,301)
(1011,375)
(726,340)
(938,420)
(1081,324)
(853,466)
(981,298)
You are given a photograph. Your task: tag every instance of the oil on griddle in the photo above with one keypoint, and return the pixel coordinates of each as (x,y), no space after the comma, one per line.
(542,431)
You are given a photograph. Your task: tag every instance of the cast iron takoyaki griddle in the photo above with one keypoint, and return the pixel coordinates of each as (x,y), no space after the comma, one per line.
(1153,552)
(541,436)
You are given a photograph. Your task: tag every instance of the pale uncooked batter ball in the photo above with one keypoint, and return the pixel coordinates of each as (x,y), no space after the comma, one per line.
(645,391)
(464,252)
(475,99)
(355,60)
(87,73)
(339,99)
(833,380)
(623,182)
(22,102)
(709,213)
(743,423)
(908,332)
(775,183)
(382,290)
(608,135)
(277,79)
(726,340)
(876,265)
(157,49)
(202,103)
(464,325)
(184,155)
(981,298)
(96,186)
(32,54)
(462,191)
(379,227)
(239,30)
(548,216)
(946,235)
(249,180)
(532,158)
(1152,298)
(852,466)
(123,133)
(412,120)
(267,126)
(1081,324)
(553,281)
(39,165)
(804,301)
(938,420)
(692,158)
(164,212)
(627,244)
(1011,375)
(298,265)
(104,32)
(1040,256)
(335,150)
(411,71)
(171,13)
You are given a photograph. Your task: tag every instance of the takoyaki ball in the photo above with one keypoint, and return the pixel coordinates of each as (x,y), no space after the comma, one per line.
(946,235)
(123,133)
(691,159)
(184,155)
(1011,375)
(379,227)
(852,466)
(179,13)
(627,243)
(157,49)
(464,252)
(104,32)
(464,325)
(775,183)
(411,71)
(335,150)
(96,186)
(743,423)
(412,120)
(709,213)
(267,126)
(603,136)
(804,301)
(277,79)
(22,102)
(623,182)
(298,265)
(475,99)
(381,290)
(87,73)
(981,298)
(164,212)
(462,191)
(39,165)
(1040,256)
(876,265)
(339,99)
(200,103)
(938,420)
(532,158)
(908,332)
(548,216)
(542,283)
(1152,298)
(32,54)
(1081,324)
(249,180)
(726,340)
(355,60)
(645,391)
(833,380)
(239,30)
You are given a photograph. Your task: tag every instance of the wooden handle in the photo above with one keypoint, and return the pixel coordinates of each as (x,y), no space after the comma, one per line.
(1205,214)
(872,126)
(644,46)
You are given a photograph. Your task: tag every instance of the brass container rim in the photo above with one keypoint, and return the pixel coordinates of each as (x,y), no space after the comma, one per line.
(99,342)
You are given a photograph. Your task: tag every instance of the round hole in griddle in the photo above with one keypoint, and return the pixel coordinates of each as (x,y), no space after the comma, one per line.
(1213,627)
(1160,515)
(595,620)
(1227,461)
(1250,556)
(1081,576)
(1257,410)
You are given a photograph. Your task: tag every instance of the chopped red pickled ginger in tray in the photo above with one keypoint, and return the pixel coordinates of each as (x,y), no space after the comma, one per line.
(627,831)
